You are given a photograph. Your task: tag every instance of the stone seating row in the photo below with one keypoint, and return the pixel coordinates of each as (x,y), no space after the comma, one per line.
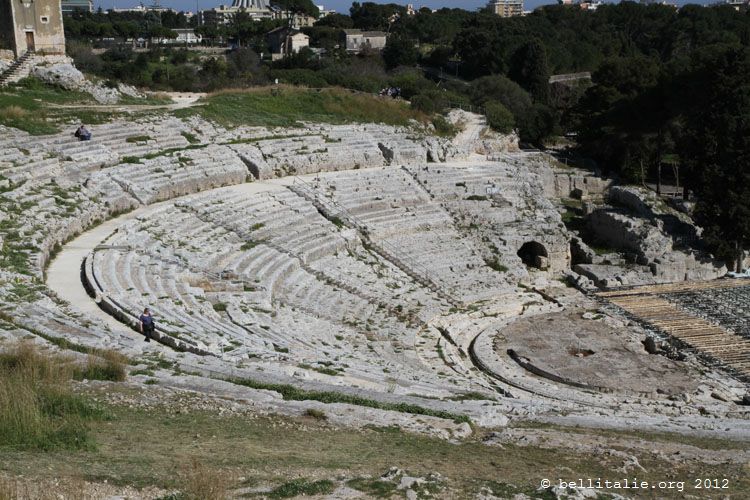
(179,174)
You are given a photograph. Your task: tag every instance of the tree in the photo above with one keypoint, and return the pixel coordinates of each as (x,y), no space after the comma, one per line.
(529,69)
(498,117)
(373,16)
(503,90)
(622,119)
(400,51)
(306,7)
(336,21)
(716,145)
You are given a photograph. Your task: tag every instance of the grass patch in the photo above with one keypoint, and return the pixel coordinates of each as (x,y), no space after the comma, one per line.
(110,365)
(473,396)
(38,410)
(373,487)
(146,372)
(249,245)
(292,105)
(220,307)
(191,138)
(303,487)
(137,138)
(495,265)
(443,127)
(316,414)
(291,393)
(321,369)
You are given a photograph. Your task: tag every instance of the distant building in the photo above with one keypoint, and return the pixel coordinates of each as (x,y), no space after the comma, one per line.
(584,4)
(31,25)
(256,9)
(322,12)
(506,8)
(70,6)
(357,41)
(285,41)
(185,36)
(155,7)
(738,5)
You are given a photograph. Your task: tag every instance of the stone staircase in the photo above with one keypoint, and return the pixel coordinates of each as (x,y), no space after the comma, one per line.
(14,70)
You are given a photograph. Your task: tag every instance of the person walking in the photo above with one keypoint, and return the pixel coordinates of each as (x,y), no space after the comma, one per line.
(147,324)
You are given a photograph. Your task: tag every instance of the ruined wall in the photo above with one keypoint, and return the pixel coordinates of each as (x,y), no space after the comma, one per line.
(42,18)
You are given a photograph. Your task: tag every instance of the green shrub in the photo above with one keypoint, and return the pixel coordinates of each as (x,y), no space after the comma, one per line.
(443,127)
(191,138)
(424,103)
(108,365)
(137,138)
(499,117)
(496,266)
(303,487)
(304,77)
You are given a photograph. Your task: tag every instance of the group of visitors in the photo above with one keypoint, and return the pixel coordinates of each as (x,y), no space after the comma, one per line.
(394,92)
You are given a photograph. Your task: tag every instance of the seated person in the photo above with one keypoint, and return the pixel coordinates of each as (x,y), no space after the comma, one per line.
(83,133)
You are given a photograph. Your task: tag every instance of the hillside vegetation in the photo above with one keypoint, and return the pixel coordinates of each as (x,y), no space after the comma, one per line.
(38,409)
(287,106)
(202,450)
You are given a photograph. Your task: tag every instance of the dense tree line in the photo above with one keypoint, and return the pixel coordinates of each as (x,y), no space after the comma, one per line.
(100,24)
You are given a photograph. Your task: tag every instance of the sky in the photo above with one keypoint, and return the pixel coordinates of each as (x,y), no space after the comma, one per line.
(338,5)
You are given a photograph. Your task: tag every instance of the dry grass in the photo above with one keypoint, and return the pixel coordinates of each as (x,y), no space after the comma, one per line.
(203,483)
(105,365)
(13,112)
(38,409)
(71,489)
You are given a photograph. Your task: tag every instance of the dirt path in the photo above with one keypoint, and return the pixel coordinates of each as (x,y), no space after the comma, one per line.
(472,127)
(180,100)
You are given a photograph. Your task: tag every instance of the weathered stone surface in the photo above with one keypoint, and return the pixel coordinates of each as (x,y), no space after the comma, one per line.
(68,77)
(64,75)
(648,233)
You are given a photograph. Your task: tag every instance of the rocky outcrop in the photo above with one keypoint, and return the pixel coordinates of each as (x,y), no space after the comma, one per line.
(68,77)
(658,243)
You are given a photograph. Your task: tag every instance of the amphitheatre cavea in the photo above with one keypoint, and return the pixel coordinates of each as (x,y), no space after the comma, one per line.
(361,302)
